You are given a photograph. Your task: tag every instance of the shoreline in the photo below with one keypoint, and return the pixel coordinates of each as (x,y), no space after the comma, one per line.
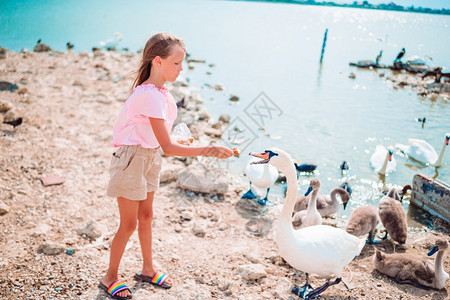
(68,103)
(386,7)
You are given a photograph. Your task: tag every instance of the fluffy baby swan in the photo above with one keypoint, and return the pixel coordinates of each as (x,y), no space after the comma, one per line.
(325,205)
(311,216)
(414,269)
(393,217)
(364,220)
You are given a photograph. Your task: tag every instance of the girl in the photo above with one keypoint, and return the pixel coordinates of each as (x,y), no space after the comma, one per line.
(144,125)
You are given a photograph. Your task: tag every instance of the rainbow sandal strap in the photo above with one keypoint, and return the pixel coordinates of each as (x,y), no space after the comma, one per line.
(116,287)
(159,278)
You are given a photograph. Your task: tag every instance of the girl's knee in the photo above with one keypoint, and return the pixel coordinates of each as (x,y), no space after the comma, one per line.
(127,226)
(145,218)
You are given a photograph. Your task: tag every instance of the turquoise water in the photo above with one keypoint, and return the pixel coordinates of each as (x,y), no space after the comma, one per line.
(326,117)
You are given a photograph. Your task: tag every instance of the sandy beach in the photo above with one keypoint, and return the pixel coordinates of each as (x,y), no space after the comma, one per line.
(54,240)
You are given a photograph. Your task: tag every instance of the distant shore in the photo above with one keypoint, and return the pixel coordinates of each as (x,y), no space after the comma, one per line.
(363,5)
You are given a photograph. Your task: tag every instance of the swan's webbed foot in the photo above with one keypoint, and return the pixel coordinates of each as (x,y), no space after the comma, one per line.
(301,291)
(416,284)
(316,293)
(262,201)
(249,195)
(371,241)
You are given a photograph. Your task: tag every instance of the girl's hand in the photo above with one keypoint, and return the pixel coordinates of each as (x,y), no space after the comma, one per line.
(220,152)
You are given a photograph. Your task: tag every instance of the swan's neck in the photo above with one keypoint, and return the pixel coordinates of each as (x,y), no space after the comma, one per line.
(312,204)
(291,197)
(383,168)
(438,162)
(438,267)
(333,194)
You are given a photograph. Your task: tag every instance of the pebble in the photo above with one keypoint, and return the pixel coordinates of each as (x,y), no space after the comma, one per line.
(187,215)
(70,251)
(199,229)
(234,98)
(222,226)
(4,209)
(252,271)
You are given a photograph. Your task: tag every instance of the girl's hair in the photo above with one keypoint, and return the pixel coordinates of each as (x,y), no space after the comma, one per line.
(160,45)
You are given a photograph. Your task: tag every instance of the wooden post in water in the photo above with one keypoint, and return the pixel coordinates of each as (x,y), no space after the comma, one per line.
(323,45)
(433,196)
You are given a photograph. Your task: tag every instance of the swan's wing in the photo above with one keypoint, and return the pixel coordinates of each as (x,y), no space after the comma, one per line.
(301,203)
(254,172)
(422,151)
(378,157)
(327,248)
(403,148)
(262,176)
(273,173)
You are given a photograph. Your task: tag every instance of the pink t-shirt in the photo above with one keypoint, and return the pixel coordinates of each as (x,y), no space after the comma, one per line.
(133,126)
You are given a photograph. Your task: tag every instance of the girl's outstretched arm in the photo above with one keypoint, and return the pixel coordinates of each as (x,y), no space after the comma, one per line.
(175,149)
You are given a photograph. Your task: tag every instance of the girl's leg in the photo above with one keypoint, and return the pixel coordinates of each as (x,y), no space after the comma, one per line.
(128,210)
(145,217)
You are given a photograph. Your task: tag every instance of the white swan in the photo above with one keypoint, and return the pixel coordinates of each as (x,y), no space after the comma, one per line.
(382,160)
(423,152)
(262,176)
(320,249)
(311,215)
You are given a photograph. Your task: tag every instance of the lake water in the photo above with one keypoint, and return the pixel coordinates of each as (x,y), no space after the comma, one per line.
(325,117)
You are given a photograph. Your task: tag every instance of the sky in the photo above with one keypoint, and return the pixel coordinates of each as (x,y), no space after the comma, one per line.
(435,4)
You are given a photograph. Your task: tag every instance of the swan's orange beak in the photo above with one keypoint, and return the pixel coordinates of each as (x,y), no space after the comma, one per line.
(390,155)
(264,156)
(447,138)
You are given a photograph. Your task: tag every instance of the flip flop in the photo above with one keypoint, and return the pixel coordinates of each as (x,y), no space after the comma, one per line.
(115,287)
(158,279)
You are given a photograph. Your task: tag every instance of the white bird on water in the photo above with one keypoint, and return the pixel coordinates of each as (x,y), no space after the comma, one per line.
(423,152)
(382,160)
(319,249)
(111,44)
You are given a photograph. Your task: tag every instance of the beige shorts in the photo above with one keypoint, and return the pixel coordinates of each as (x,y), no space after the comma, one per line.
(134,172)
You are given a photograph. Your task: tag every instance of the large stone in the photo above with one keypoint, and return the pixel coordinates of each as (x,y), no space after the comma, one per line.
(50,249)
(92,230)
(169,172)
(204,178)
(8,86)
(252,271)
(41,47)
